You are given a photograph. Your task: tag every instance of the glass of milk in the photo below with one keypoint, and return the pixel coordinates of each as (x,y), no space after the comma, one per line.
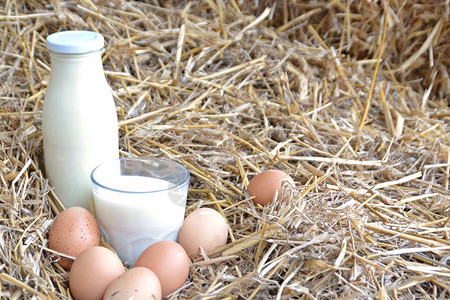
(139,201)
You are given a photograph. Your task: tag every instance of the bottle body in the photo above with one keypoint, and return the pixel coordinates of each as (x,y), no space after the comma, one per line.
(79,125)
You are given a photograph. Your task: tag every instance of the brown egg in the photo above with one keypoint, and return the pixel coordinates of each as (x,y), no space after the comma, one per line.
(170,263)
(264,186)
(73,230)
(204,227)
(92,272)
(136,283)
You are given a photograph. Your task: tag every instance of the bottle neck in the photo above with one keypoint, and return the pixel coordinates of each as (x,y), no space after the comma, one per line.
(72,62)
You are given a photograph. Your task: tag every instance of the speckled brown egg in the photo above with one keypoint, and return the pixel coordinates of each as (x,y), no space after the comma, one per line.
(92,272)
(136,283)
(266,184)
(73,230)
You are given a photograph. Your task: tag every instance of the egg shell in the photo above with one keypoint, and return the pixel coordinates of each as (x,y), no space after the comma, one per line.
(136,283)
(265,184)
(73,230)
(170,263)
(92,272)
(205,228)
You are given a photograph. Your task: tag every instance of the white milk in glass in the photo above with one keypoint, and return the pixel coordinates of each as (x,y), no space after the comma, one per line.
(79,121)
(132,218)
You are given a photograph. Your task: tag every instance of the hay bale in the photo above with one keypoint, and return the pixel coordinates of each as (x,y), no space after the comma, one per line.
(349,98)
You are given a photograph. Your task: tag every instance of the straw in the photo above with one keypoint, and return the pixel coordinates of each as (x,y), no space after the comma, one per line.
(349,98)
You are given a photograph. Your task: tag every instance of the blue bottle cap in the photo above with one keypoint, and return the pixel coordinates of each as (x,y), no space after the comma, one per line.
(75,41)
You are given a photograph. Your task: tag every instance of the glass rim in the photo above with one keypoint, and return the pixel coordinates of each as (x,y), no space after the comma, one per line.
(185,180)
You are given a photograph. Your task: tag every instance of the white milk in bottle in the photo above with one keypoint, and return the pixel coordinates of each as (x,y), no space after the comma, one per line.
(79,120)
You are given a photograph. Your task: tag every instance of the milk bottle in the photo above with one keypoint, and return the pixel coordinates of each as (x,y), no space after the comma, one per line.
(79,120)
